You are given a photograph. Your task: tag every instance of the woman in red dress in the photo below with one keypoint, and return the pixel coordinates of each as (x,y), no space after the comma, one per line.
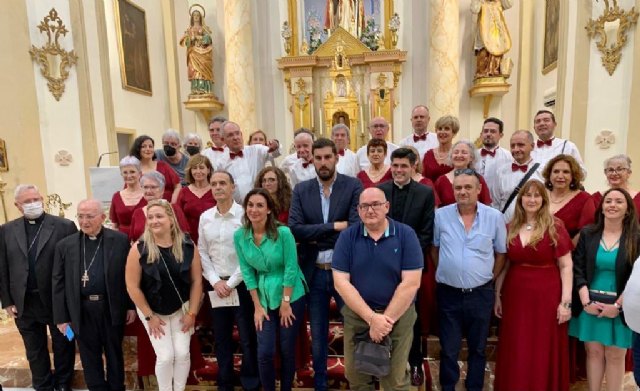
(563,177)
(197,197)
(463,156)
(617,169)
(436,161)
(127,200)
(143,149)
(378,172)
(533,298)
(273,180)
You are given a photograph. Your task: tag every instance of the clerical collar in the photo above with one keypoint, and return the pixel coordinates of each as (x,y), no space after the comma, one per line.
(96,237)
(37,220)
(399,186)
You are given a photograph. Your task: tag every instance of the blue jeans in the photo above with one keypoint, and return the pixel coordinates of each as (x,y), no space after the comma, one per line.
(464,314)
(636,357)
(321,290)
(267,348)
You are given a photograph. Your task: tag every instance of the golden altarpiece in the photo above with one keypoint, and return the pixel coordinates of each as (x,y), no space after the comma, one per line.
(342,80)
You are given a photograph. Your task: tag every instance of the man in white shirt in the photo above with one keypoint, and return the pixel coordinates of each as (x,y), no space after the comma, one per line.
(421,139)
(215,152)
(220,267)
(243,162)
(348,161)
(548,146)
(378,128)
(510,175)
(299,165)
(492,155)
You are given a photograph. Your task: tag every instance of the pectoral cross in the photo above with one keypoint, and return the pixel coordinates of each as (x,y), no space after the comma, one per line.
(84,279)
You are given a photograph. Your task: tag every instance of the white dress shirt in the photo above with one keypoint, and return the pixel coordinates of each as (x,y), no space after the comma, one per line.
(294,167)
(245,169)
(507,182)
(363,160)
(348,164)
(488,167)
(213,156)
(216,248)
(545,153)
(422,145)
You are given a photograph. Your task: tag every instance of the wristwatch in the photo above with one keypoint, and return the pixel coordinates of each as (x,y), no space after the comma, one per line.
(148,318)
(286,299)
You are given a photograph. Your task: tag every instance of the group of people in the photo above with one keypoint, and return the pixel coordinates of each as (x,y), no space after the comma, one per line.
(431,236)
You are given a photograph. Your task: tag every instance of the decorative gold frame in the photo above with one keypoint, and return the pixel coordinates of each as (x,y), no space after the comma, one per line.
(295,24)
(53,59)
(550,26)
(126,83)
(611,53)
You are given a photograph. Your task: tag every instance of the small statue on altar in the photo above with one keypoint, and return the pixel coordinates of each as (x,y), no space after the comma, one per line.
(492,39)
(197,40)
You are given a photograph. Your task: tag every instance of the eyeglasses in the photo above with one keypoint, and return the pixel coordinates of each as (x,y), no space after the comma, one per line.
(618,170)
(465,171)
(86,217)
(150,187)
(270,180)
(374,205)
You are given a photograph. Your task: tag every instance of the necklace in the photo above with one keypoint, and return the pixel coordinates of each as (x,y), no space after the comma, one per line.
(561,200)
(35,237)
(528,227)
(85,276)
(610,248)
(440,156)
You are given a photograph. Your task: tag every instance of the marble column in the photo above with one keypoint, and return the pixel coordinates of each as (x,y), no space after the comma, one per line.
(444,94)
(238,45)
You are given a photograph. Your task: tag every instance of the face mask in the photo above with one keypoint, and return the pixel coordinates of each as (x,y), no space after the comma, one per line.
(32,210)
(169,150)
(192,149)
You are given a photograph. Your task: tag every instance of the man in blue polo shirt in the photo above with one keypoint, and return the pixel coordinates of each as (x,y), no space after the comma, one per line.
(377,267)
(469,246)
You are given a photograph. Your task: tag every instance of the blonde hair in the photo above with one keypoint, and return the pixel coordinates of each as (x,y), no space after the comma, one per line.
(545,222)
(177,236)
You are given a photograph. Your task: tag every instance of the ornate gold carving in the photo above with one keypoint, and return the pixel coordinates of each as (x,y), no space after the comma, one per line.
(394,25)
(206,107)
(351,45)
(53,59)
(4,206)
(54,201)
(286,35)
(613,15)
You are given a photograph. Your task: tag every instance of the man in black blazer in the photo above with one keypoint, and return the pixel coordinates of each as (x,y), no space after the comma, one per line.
(27,246)
(320,209)
(90,296)
(411,203)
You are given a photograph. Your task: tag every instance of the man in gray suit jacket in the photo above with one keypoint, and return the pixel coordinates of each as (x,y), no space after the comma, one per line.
(27,247)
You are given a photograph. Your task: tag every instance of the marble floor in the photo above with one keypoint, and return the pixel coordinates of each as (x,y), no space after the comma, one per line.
(14,369)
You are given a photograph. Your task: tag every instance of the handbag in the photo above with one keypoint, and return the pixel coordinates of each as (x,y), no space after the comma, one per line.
(602,296)
(371,358)
(185,304)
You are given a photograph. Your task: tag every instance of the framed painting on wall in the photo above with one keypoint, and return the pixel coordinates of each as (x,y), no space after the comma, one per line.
(131,28)
(551,21)
(4,159)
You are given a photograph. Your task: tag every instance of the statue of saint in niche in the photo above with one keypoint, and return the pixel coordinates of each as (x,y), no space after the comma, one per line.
(197,39)
(348,14)
(492,39)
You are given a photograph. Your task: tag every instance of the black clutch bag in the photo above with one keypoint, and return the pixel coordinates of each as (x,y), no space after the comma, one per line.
(602,297)
(371,358)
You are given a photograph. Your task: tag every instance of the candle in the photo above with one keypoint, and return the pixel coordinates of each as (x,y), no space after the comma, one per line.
(321,121)
(361,119)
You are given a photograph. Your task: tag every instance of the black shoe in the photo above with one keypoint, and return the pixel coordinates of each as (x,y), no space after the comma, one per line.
(417,376)
(62,387)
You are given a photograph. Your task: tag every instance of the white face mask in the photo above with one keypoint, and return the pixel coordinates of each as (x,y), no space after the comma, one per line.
(32,210)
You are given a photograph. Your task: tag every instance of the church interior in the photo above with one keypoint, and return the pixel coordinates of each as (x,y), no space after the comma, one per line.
(83,78)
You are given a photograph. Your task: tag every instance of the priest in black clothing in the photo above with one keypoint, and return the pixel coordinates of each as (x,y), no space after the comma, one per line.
(411,203)
(90,296)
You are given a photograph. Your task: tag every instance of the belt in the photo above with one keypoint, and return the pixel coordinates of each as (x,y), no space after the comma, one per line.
(469,290)
(607,293)
(323,266)
(93,298)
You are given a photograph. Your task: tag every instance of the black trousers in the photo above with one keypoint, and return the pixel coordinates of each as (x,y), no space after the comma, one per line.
(222,321)
(32,324)
(98,335)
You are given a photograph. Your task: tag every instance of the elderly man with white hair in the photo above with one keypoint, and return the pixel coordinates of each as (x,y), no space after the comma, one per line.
(299,165)
(348,161)
(27,248)
(171,154)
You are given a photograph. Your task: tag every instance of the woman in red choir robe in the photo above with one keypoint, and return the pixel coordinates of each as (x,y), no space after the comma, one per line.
(436,161)
(378,172)
(127,200)
(143,149)
(197,197)
(273,180)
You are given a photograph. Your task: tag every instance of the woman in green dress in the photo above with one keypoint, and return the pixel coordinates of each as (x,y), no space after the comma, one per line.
(603,260)
(269,264)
